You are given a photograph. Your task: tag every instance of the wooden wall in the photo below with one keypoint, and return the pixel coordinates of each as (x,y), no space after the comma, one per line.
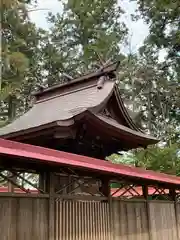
(178,219)
(130,221)
(28,219)
(162,219)
(82,220)
(153,220)
(23,219)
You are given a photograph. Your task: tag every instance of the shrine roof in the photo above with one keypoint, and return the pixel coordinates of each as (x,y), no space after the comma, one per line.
(61,109)
(63,105)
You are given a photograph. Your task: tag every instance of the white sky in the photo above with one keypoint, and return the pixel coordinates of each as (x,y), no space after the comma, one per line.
(137,30)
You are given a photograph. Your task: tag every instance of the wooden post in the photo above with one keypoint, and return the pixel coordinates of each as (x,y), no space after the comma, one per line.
(149,220)
(51,206)
(145,195)
(106,190)
(111,212)
(43,181)
(105,187)
(10,184)
(172,194)
(176,216)
(145,191)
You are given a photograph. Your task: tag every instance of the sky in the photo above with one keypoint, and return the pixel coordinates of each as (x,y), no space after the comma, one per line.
(137,30)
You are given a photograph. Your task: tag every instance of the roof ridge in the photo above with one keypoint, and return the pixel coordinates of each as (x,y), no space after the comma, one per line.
(107,69)
(66,93)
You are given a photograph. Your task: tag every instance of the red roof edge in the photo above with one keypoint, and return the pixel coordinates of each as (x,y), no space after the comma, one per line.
(59,158)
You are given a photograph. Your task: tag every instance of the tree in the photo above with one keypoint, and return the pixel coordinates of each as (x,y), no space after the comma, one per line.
(163,159)
(19,45)
(148,93)
(84,29)
(163,17)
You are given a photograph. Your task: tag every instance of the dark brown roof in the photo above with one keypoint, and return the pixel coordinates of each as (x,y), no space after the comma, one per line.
(63,103)
(61,108)
(118,128)
(106,70)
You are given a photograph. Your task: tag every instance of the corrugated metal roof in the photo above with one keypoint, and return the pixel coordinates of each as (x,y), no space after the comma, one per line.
(57,158)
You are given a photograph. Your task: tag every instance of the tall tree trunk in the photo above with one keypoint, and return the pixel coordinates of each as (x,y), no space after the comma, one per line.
(11,108)
(149,111)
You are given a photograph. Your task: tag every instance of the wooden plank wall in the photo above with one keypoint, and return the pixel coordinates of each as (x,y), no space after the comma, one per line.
(178,218)
(162,221)
(28,219)
(146,220)
(23,219)
(82,220)
(130,221)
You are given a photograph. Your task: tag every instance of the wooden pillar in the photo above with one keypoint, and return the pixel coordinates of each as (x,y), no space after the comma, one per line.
(51,206)
(43,181)
(11,186)
(148,214)
(176,216)
(145,191)
(106,190)
(172,194)
(105,187)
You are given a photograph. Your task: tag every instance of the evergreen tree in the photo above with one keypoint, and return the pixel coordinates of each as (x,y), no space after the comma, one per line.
(19,47)
(163,17)
(162,159)
(150,93)
(84,30)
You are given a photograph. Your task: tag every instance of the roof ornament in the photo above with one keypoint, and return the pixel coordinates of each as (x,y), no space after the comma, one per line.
(103,64)
(101,81)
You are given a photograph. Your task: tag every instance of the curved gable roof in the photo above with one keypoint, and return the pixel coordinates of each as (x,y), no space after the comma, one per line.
(59,106)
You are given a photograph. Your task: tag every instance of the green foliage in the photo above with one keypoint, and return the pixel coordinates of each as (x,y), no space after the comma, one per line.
(19,44)
(124,158)
(165,159)
(163,16)
(18,61)
(150,93)
(162,159)
(84,29)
